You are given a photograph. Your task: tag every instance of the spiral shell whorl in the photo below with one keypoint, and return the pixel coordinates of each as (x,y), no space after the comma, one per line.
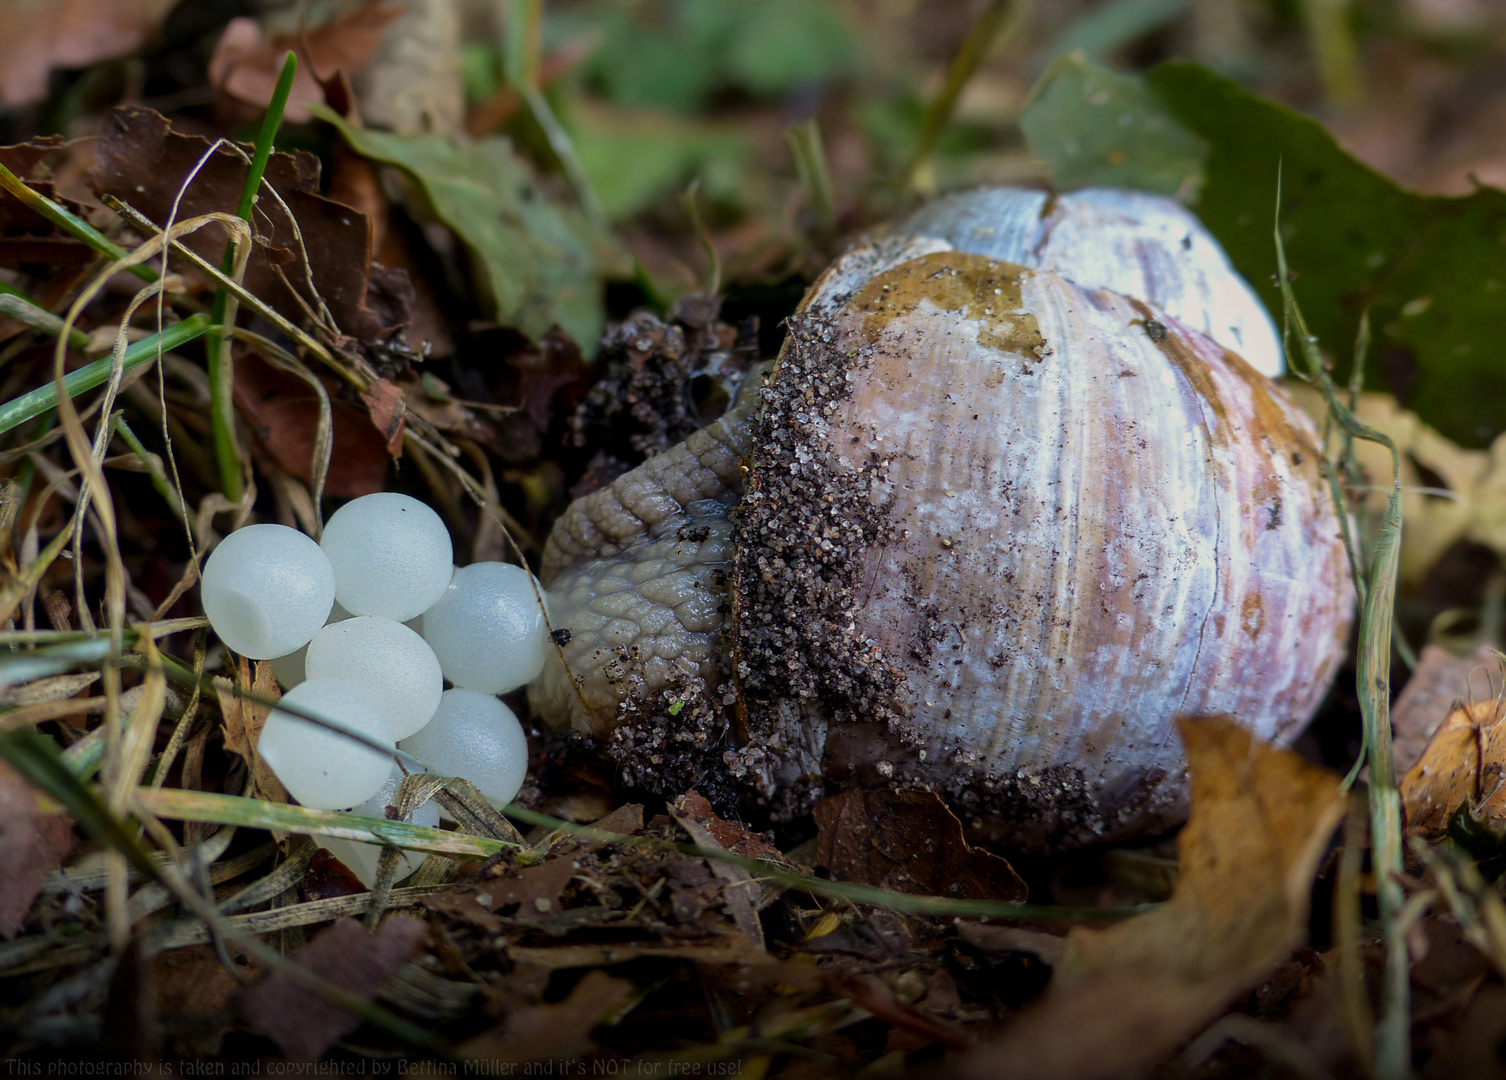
(999,530)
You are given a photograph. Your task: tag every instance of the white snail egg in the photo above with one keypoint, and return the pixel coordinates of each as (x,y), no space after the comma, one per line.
(391,555)
(266,589)
(476,737)
(321,768)
(362,858)
(385,658)
(488,629)
(292,669)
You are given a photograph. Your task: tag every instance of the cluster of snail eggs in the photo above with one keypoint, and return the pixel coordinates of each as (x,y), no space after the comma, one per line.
(363,629)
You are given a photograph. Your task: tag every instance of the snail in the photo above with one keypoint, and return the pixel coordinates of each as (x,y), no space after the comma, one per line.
(985,530)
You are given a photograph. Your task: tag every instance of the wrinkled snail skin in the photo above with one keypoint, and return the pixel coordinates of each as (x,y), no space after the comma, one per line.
(991,532)
(637,573)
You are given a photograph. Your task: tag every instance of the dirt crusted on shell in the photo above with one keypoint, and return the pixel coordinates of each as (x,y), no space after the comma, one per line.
(801,532)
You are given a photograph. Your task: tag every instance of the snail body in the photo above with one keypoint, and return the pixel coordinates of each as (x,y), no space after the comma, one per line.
(985,530)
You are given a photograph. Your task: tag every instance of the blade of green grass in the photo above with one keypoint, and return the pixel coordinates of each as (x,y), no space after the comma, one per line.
(809,156)
(960,69)
(843,890)
(227,451)
(70,222)
(1393,1055)
(255,814)
(21,409)
(20,308)
(36,757)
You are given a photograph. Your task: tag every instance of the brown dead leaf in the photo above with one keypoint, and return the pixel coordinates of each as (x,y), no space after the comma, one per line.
(194,979)
(908,841)
(1441,680)
(1002,939)
(29,242)
(27,239)
(626,820)
(38,37)
(1462,766)
(553,1032)
(739,890)
(243,721)
(736,839)
(284,416)
(1123,997)
(301,1022)
(718,951)
(140,159)
(385,403)
(33,841)
(870,993)
(245,65)
(533,891)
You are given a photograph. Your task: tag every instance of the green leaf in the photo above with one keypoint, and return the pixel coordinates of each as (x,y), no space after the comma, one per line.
(673,54)
(1108,27)
(633,160)
(1099,128)
(1430,269)
(540,264)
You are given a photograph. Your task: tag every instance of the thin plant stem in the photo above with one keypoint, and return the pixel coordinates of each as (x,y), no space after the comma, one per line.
(843,890)
(222,316)
(23,310)
(960,69)
(43,398)
(809,156)
(70,223)
(1393,1034)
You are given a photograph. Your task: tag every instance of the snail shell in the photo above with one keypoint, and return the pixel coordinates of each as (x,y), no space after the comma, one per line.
(1129,242)
(986,531)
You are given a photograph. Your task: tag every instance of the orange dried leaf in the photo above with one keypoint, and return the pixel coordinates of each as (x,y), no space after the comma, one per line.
(385,402)
(243,721)
(1461,767)
(1124,997)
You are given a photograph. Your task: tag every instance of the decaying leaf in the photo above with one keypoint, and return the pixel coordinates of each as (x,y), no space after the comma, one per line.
(300,1021)
(538,261)
(143,161)
(385,402)
(33,841)
(1439,683)
(1463,766)
(283,413)
(1121,998)
(243,723)
(696,817)
(68,34)
(694,808)
(908,841)
(553,1032)
(245,65)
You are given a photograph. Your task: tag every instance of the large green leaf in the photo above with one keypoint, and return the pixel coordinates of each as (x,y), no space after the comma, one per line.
(541,263)
(675,54)
(1431,269)
(633,159)
(1100,128)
